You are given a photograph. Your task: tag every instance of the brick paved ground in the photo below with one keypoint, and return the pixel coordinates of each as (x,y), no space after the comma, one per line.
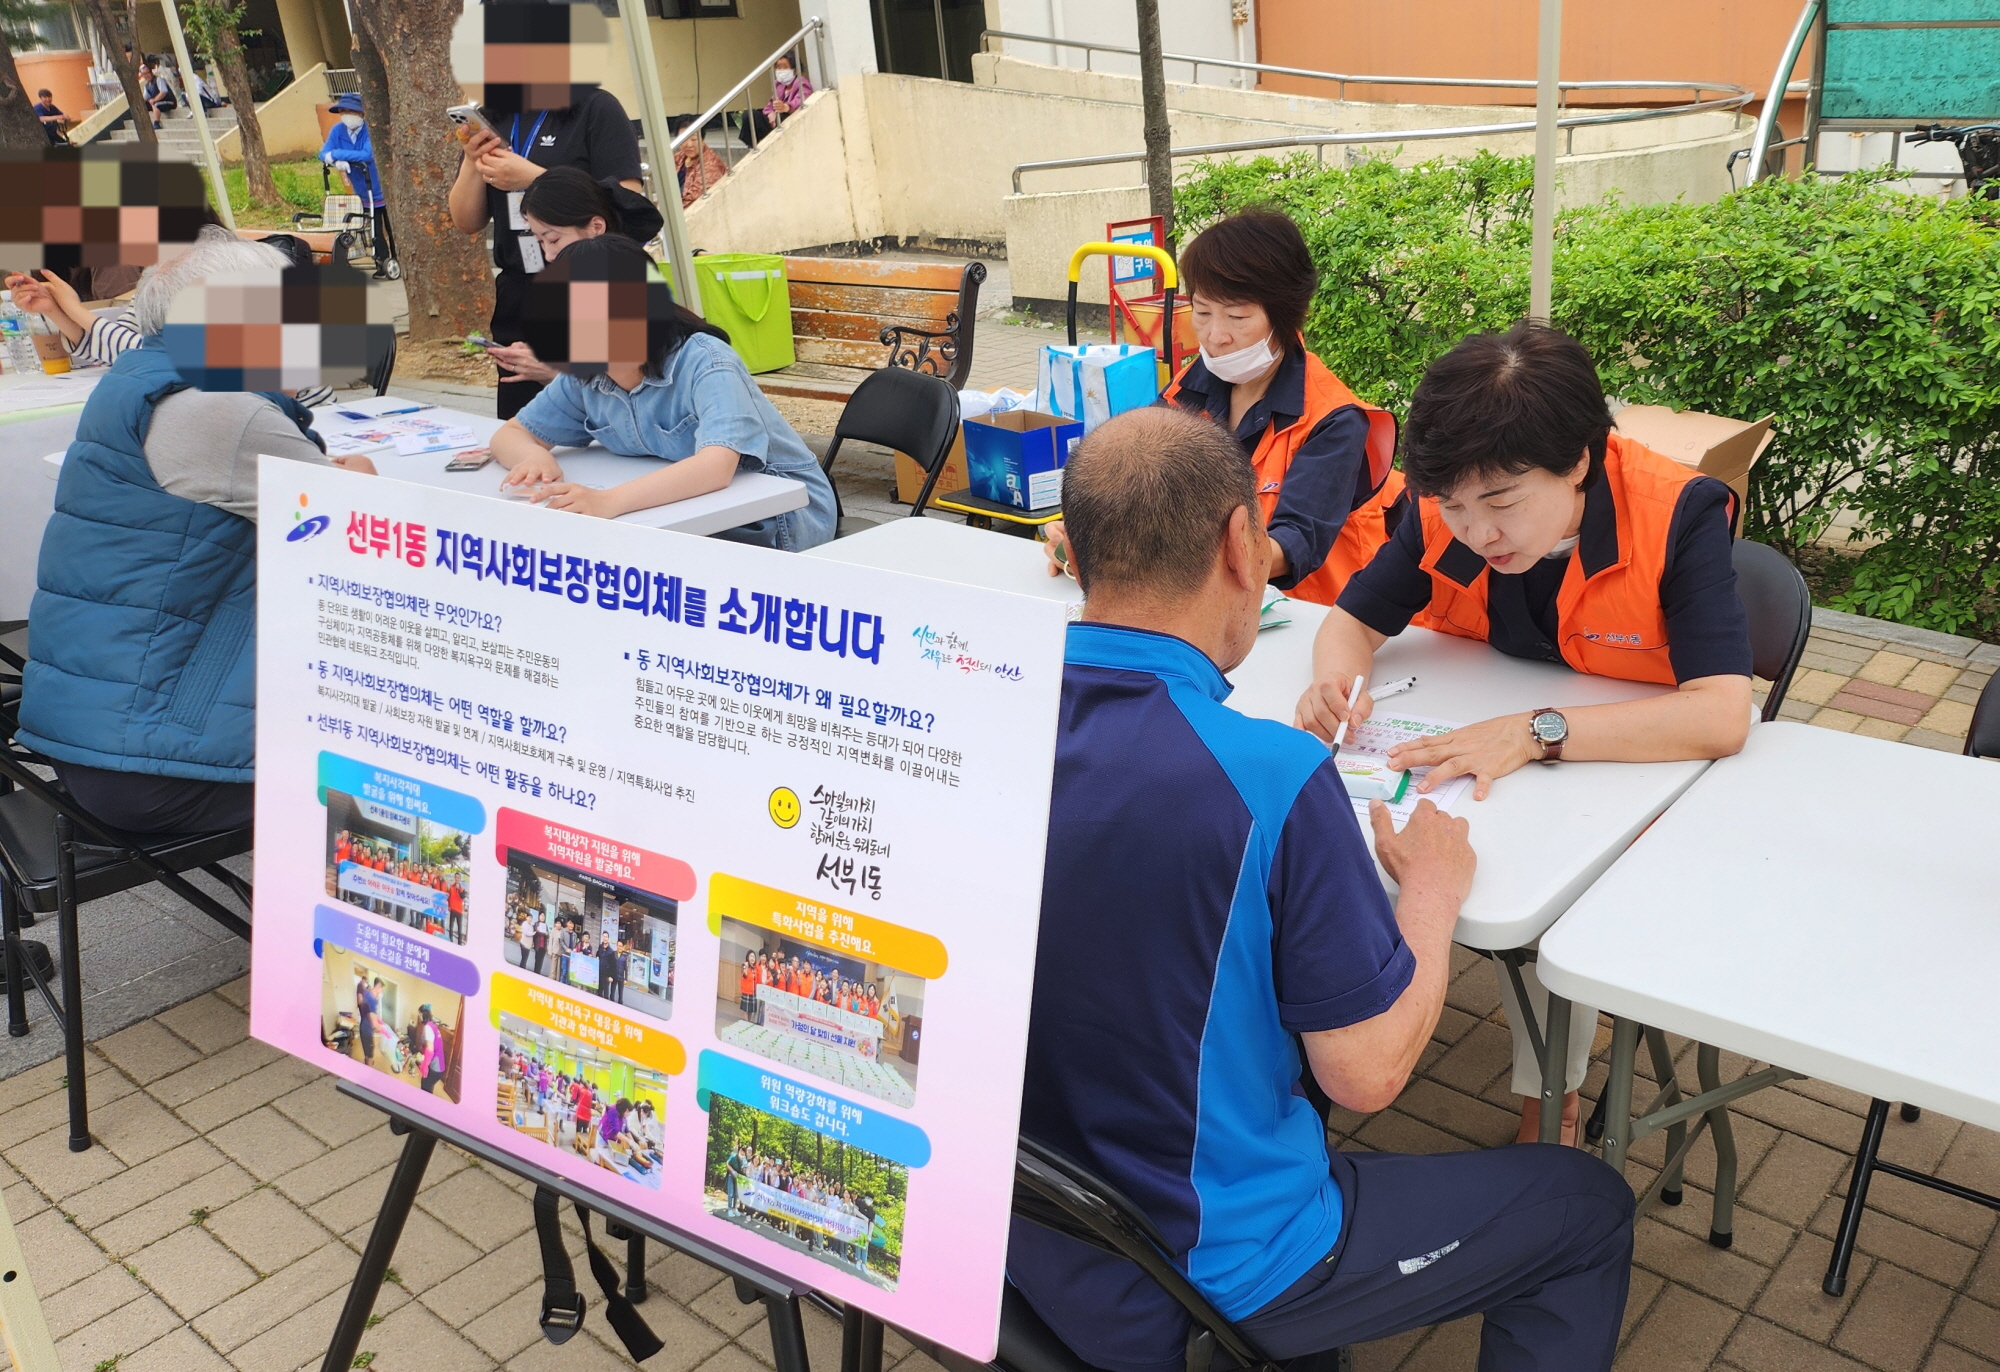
(216,1224)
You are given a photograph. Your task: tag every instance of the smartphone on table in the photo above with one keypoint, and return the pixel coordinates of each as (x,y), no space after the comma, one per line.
(469,459)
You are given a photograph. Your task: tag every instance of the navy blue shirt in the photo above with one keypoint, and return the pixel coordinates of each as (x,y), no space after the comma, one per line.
(1207,896)
(1328,478)
(1708,633)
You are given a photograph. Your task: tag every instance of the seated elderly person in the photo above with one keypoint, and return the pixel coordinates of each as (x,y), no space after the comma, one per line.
(1216,860)
(141,679)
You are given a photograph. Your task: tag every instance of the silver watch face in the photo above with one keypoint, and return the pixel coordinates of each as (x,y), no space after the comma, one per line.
(1550,727)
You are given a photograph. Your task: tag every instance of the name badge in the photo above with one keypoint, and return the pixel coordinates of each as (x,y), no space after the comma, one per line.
(531,253)
(514,219)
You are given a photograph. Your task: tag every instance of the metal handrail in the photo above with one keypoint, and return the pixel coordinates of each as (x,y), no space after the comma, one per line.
(1326,140)
(814,25)
(1781,80)
(1344,79)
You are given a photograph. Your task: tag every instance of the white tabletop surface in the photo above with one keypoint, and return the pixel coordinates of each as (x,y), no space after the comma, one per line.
(1821,901)
(29,484)
(1543,835)
(750,497)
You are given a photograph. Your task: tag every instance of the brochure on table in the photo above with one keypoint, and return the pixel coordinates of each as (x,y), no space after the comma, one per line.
(655,861)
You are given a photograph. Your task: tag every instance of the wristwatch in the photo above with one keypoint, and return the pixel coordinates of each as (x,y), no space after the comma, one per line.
(1551,730)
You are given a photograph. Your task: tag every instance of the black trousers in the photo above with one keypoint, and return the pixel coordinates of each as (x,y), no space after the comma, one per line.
(1535,1237)
(140,803)
(510,294)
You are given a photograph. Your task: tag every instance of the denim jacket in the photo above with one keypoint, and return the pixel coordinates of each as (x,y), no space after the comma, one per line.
(704,397)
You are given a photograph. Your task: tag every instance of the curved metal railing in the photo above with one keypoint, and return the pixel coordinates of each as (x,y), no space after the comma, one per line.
(814,26)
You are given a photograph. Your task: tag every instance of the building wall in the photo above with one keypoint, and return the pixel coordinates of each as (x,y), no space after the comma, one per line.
(1200,28)
(700,59)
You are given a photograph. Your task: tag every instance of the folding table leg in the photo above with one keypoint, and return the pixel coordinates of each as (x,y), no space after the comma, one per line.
(396,1203)
(1708,1077)
(72,985)
(1555,1067)
(635,1267)
(1618,1091)
(860,1341)
(1670,1086)
(1857,1198)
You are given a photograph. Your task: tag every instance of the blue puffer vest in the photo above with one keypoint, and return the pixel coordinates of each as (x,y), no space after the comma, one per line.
(142,633)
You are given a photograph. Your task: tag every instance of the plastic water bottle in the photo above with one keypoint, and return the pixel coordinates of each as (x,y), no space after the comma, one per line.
(21,357)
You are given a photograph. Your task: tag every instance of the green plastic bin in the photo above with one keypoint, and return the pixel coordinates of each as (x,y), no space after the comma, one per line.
(747,294)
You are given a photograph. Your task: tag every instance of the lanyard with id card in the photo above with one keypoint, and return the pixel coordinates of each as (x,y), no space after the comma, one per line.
(530,247)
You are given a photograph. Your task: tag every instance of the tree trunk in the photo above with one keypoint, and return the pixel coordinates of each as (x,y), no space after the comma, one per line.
(114,37)
(448,274)
(1159,133)
(228,55)
(373,79)
(19,129)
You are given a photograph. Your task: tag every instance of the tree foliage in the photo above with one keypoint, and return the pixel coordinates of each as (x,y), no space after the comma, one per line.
(1863,318)
(214,28)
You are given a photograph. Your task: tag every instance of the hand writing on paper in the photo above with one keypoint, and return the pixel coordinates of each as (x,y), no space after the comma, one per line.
(536,469)
(1324,705)
(1484,751)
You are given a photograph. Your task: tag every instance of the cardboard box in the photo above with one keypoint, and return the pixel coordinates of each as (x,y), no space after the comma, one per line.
(910,475)
(1017,458)
(1725,449)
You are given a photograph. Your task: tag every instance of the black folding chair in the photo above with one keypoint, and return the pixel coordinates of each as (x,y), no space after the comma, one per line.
(53,858)
(1981,741)
(911,412)
(1779,608)
(379,378)
(1059,1194)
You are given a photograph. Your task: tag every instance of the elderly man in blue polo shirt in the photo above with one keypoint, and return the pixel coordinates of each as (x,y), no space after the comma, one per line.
(1207,898)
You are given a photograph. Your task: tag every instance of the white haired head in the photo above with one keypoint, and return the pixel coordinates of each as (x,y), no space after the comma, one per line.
(216,253)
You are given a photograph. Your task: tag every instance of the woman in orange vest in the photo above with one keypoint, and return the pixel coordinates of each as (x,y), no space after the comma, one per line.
(1552,538)
(1323,457)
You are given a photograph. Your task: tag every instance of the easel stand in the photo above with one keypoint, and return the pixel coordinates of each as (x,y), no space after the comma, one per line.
(861,1334)
(23,1331)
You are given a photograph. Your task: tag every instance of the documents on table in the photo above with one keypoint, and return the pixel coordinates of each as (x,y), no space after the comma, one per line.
(47,392)
(408,436)
(1364,766)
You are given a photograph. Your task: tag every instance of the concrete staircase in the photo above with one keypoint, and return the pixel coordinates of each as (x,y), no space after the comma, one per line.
(179,139)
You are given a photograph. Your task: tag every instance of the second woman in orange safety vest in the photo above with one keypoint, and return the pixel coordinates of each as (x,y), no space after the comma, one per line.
(1323,457)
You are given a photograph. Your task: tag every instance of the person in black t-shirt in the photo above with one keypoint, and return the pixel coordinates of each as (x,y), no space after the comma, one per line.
(594,135)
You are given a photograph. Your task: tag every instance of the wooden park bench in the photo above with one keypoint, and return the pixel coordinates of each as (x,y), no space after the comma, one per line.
(852,316)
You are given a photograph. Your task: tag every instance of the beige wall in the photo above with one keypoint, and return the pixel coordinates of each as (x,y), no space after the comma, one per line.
(289,120)
(700,59)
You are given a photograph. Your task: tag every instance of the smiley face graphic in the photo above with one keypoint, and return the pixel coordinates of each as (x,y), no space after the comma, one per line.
(785,808)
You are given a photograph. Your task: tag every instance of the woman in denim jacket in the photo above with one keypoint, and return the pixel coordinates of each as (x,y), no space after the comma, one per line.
(691,402)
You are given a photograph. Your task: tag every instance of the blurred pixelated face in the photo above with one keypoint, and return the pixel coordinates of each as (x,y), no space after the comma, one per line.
(279,330)
(515,58)
(115,206)
(585,327)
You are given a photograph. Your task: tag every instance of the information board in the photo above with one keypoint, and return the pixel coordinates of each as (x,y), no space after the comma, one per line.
(703,875)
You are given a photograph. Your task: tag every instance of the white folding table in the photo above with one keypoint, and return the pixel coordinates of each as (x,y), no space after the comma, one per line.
(1821,901)
(1543,835)
(26,437)
(751,496)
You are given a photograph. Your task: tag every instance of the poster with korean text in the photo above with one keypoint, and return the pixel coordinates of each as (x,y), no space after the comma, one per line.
(703,875)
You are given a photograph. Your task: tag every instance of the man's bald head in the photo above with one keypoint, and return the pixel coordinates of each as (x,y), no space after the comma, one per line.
(1147,498)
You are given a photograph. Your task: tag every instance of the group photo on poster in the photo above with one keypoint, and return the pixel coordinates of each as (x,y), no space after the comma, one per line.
(848,1020)
(397,865)
(582,1099)
(836,1203)
(386,1018)
(591,934)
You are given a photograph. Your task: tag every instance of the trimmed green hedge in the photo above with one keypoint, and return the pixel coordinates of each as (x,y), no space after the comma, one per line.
(1865,318)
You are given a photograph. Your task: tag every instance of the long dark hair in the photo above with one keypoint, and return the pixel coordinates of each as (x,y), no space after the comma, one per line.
(609,257)
(569,198)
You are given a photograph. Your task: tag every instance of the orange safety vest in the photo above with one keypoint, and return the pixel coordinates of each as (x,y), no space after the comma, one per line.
(1609,621)
(1366,528)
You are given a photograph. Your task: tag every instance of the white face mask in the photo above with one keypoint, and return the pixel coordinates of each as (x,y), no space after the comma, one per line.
(784,76)
(1243,364)
(353,121)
